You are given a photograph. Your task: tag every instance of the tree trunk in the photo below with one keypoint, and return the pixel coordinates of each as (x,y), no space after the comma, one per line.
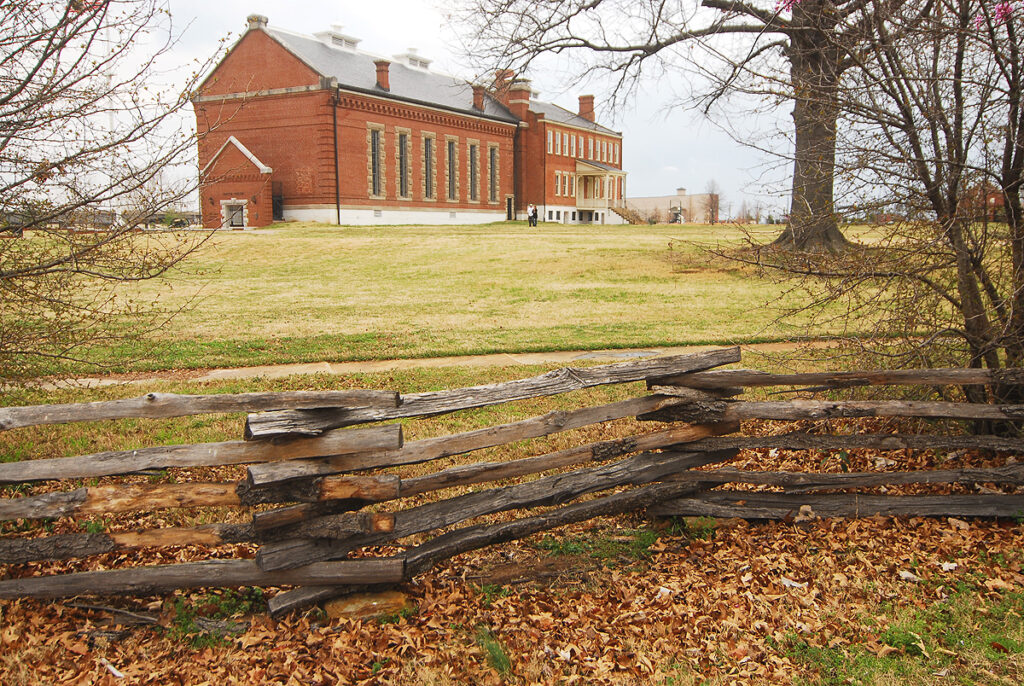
(814,72)
(1013,179)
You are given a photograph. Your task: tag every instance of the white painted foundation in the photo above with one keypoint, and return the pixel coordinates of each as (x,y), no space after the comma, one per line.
(370,217)
(563,214)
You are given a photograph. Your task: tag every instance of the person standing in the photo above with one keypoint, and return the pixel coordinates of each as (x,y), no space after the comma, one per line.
(532,214)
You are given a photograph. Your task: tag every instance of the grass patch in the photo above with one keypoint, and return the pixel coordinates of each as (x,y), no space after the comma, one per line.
(497,658)
(697,528)
(93,526)
(609,548)
(203,621)
(415,291)
(963,639)
(491,592)
(397,617)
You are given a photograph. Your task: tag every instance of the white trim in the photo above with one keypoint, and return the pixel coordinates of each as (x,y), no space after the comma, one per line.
(423,106)
(593,170)
(248,95)
(264,169)
(352,91)
(363,216)
(593,132)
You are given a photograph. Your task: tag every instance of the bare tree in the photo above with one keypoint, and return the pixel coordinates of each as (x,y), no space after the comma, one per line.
(756,211)
(930,115)
(744,216)
(756,47)
(713,202)
(91,149)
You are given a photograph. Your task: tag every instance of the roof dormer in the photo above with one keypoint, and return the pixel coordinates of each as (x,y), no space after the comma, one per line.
(337,39)
(412,58)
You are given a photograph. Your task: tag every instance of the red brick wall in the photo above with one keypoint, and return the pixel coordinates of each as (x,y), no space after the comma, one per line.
(358,113)
(258,62)
(564,163)
(234,177)
(532,163)
(291,134)
(537,169)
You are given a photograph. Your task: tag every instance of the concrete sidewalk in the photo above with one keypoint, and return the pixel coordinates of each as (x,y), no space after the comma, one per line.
(561,358)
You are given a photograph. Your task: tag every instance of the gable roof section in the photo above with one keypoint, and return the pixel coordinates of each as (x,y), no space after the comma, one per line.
(249,55)
(560,115)
(263,169)
(591,165)
(356,71)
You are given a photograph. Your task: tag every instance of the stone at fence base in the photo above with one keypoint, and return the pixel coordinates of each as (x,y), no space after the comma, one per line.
(806,514)
(368,605)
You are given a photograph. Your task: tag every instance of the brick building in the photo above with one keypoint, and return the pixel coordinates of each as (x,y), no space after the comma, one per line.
(312,128)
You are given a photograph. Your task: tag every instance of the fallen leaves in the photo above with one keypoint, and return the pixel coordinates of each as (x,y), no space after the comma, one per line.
(997,584)
(724,608)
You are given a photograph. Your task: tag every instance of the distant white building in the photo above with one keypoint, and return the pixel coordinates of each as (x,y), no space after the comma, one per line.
(701,208)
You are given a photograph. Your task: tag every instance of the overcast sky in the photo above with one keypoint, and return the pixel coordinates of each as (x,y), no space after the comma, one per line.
(663,147)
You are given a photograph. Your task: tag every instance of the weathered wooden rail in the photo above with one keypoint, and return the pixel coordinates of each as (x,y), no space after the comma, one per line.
(332,493)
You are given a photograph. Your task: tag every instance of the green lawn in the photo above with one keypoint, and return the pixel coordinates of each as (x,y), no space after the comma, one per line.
(300,292)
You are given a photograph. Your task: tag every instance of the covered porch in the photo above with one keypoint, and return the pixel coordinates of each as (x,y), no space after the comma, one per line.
(599,188)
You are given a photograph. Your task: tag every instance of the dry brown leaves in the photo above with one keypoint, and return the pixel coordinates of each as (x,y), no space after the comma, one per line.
(718,608)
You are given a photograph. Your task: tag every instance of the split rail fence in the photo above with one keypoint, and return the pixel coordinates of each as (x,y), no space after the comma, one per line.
(318,492)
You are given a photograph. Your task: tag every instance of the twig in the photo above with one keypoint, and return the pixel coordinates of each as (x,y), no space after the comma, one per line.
(139,618)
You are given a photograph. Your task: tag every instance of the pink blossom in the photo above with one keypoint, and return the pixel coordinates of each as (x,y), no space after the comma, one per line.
(785,5)
(1002,11)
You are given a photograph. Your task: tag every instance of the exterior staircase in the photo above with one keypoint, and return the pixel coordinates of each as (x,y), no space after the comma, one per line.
(629,215)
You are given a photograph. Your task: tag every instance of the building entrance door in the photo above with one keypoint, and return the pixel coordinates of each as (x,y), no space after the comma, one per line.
(236,216)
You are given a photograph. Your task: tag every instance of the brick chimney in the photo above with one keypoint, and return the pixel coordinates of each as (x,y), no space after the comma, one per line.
(383,75)
(519,98)
(587,107)
(502,80)
(478,97)
(257,21)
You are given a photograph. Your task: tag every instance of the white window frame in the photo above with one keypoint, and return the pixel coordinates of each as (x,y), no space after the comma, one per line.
(551,142)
